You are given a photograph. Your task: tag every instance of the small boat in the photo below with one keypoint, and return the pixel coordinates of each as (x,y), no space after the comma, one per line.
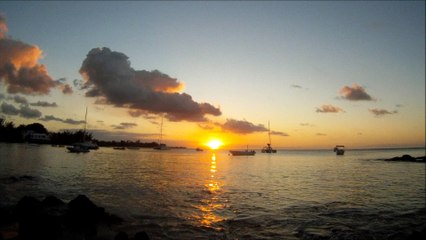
(161,146)
(339,149)
(119,148)
(199,149)
(268,148)
(78,148)
(242,152)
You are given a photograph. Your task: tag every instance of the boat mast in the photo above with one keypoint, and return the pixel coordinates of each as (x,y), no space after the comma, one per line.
(85,125)
(269,134)
(161,131)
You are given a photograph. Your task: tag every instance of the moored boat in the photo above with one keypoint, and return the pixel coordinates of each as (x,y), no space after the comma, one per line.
(78,148)
(268,148)
(339,149)
(119,148)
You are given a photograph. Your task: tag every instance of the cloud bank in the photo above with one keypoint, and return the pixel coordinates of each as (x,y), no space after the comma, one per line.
(24,111)
(19,67)
(109,76)
(381,112)
(48,118)
(329,109)
(124,125)
(355,93)
(245,127)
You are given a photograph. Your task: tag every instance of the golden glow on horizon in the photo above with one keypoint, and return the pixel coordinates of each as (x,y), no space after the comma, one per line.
(214,144)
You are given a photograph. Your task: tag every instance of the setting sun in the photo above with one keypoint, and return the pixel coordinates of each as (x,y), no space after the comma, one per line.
(214,144)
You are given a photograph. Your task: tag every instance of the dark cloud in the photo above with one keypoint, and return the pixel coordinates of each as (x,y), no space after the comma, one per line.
(245,127)
(108,74)
(24,111)
(124,125)
(66,89)
(106,135)
(306,125)
(20,100)
(355,93)
(9,109)
(381,112)
(329,109)
(27,112)
(19,67)
(321,134)
(242,126)
(68,120)
(296,86)
(282,134)
(44,104)
(144,114)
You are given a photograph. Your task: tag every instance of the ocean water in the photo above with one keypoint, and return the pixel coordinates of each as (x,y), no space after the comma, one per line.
(184,194)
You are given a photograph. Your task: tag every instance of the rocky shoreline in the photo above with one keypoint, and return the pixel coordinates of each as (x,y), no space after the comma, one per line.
(53,219)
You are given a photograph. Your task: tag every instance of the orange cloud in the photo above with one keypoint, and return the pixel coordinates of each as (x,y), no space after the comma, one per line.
(19,67)
(3,27)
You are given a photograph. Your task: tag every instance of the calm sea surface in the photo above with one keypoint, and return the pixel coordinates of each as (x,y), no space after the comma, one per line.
(183,194)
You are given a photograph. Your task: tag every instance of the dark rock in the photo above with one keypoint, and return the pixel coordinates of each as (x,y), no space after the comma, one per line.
(27,207)
(34,223)
(83,215)
(141,236)
(52,219)
(6,216)
(52,201)
(407,158)
(121,236)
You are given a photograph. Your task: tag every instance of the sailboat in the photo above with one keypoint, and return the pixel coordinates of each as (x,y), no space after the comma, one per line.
(83,146)
(161,146)
(268,148)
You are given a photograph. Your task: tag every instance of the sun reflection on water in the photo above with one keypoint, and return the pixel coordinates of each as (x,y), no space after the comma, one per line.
(212,202)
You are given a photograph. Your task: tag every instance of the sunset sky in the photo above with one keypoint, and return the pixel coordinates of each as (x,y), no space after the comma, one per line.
(322,73)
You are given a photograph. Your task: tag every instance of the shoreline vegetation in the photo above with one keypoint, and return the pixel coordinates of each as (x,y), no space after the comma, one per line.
(53,219)
(23,134)
(9,133)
